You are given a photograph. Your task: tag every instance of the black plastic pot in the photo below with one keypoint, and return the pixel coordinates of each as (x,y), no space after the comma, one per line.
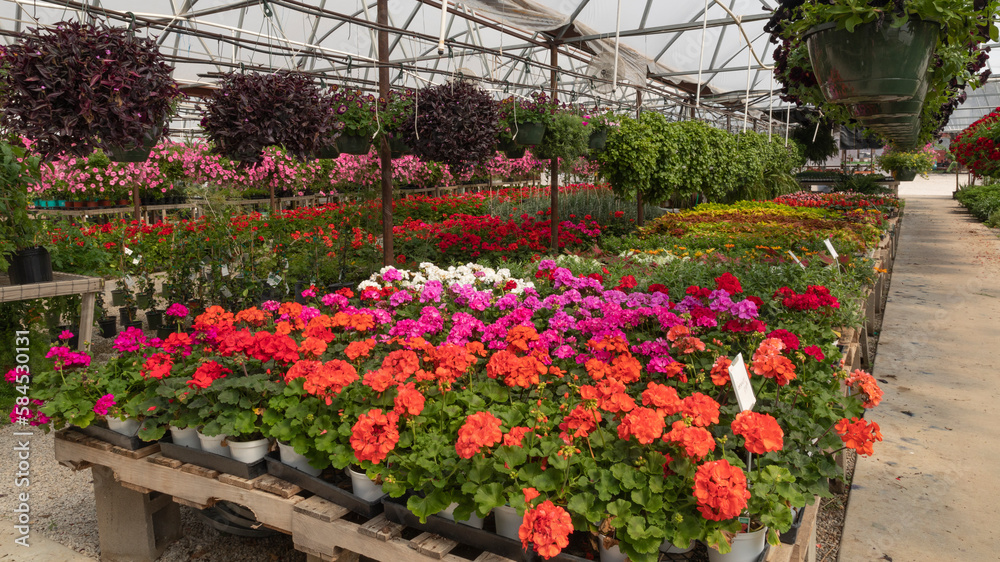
(530,133)
(135,324)
(30,265)
(118,297)
(154,318)
(143,301)
(163,332)
(328,153)
(109,326)
(598,139)
(126,315)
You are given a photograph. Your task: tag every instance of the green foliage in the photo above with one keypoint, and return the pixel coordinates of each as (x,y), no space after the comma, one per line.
(860,183)
(630,156)
(823,147)
(565,137)
(920,161)
(983,201)
(17,173)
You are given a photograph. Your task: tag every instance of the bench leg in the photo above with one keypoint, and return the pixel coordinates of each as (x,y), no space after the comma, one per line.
(132,526)
(86,334)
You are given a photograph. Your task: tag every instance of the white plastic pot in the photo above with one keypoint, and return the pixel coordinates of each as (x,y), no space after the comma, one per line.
(187,437)
(364,487)
(613,554)
(474,520)
(508,521)
(249,451)
(746,548)
(214,444)
(128,426)
(295,460)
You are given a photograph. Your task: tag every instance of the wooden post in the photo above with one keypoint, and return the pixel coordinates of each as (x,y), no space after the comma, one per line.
(86,320)
(273,202)
(136,202)
(132,526)
(388,257)
(554,162)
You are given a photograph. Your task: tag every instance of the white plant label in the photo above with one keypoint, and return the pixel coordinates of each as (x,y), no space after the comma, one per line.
(225,292)
(135,261)
(273,280)
(796,258)
(225,270)
(741,383)
(130,282)
(128,251)
(829,247)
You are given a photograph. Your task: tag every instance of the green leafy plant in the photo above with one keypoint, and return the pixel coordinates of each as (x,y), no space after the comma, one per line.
(18,173)
(894,160)
(565,138)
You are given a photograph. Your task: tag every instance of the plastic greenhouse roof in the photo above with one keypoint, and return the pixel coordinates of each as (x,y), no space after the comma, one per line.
(507,44)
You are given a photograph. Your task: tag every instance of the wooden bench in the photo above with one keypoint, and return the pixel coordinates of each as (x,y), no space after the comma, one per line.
(62,284)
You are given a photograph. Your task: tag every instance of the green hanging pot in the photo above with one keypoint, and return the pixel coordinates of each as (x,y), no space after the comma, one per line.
(598,140)
(906,175)
(515,152)
(529,133)
(138,153)
(328,153)
(874,111)
(354,144)
(871,64)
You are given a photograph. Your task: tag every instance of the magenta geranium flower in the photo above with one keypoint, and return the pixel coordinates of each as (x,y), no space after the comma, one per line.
(177,309)
(103,403)
(65,335)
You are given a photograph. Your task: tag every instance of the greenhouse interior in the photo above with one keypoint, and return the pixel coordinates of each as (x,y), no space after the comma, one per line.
(498,280)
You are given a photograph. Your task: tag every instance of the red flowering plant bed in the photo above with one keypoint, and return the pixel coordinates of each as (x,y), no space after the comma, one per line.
(977,147)
(848,202)
(584,408)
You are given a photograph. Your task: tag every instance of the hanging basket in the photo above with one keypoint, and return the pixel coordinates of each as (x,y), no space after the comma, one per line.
(598,140)
(354,144)
(139,153)
(906,175)
(872,112)
(328,153)
(529,133)
(871,64)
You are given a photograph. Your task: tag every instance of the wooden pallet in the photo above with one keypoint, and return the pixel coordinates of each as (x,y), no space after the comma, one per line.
(149,487)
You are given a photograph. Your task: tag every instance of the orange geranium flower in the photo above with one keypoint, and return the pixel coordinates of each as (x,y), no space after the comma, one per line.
(625,368)
(515,370)
(401,363)
(688,345)
(702,409)
(612,344)
(320,329)
(408,400)
(768,362)
(312,347)
(645,424)
(580,421)
(859,435)
(866,386)
(720,490)
(357,349)
(481,429)
(694,442)
(215,315)
(450,361)
(720,370)
(374,435)
(379,379)
(546,528)
(611,396)
(662,397)
(519,337)
(761,431)
(678,331)
(597,369)
(252,316)
(178,341)
(515,436)
(157,366)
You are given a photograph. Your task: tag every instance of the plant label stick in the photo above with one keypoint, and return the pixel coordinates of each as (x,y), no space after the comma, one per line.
(796,258)
(829,247)
(741,383)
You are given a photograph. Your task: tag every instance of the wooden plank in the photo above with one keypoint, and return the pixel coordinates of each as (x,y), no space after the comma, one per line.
(238,481)
(137,453)
(164,461)
(381,528)
(194,504)
(273,511)
(321,509)
(490,557)
(432,545)
(86,334)
(95,443)
(780,553)
(132,526)
(310,533)
(200,471)
(804,549)
(276,486)
(136,487)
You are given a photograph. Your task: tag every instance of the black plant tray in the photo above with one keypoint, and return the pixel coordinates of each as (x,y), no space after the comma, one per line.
(396,511)
(130,442)
(336,488)
(789,536)
(213,461)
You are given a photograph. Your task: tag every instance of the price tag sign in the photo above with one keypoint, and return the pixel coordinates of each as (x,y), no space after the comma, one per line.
(135,261)
(741,383)
(130,282)
(829,248)
(225,292)
(796,258)
(128,251)
(273,280)
(225,270)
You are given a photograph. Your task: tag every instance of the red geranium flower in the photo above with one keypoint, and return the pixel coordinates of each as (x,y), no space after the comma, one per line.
(720,490)
(481,429)
(546,528)
(374,435)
